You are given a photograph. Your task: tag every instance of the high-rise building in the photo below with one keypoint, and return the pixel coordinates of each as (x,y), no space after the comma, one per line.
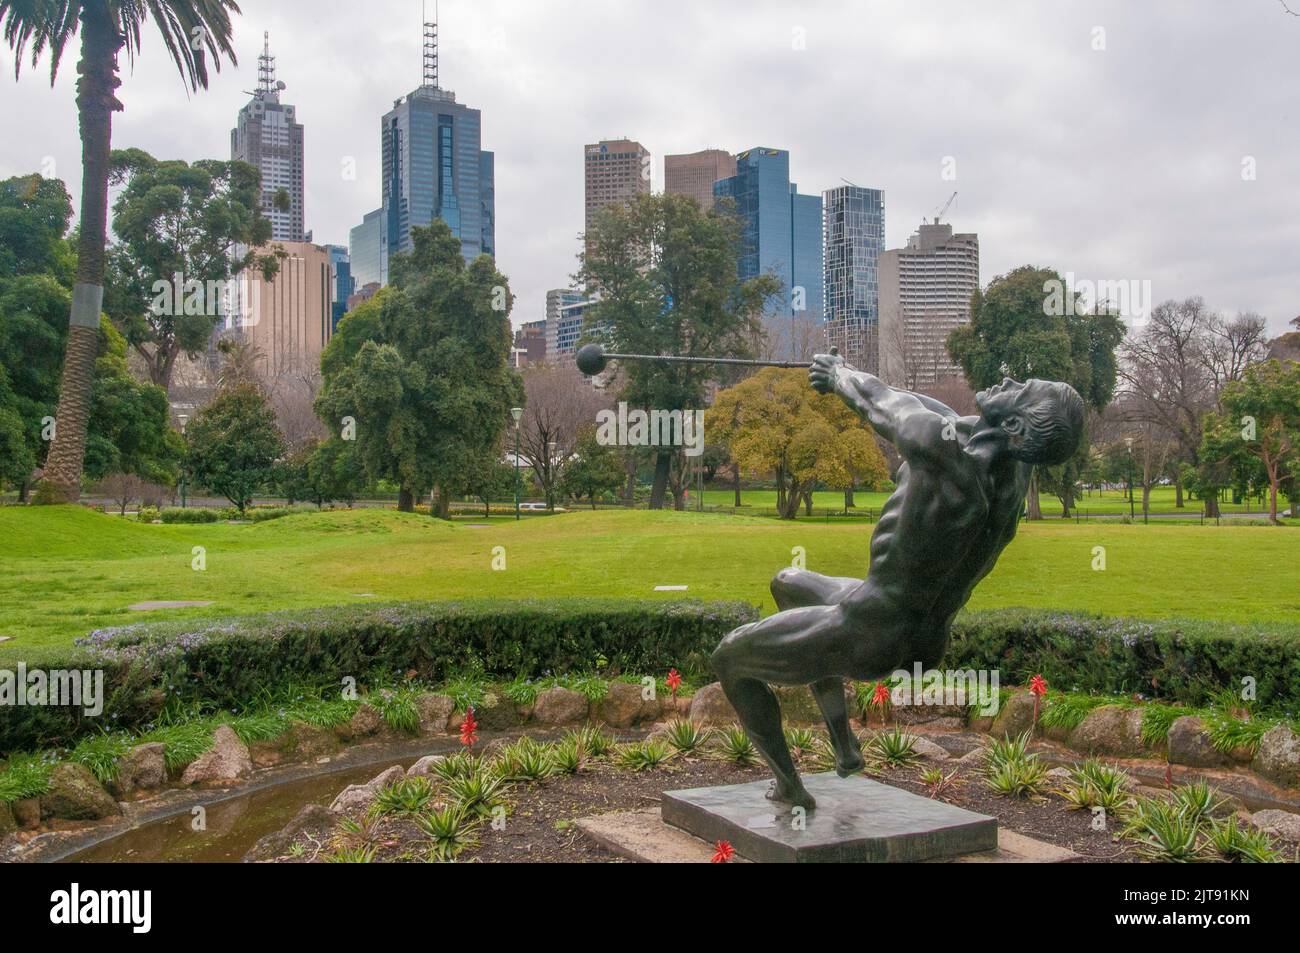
(290,318)
(694,173)
(781,233)
(365,250)
(854,232)
(615,170)
(530,343)
(925,292)
(268,136)
(563,323)
(433,166)
(344,284)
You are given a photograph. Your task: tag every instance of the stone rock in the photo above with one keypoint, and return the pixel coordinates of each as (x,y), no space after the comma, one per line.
(1060,774)
(1279,823)
(76,795)
(27,812)
(7,821)
(227,760)
(365,721)
(424,767)
(1110,729)
(927,749)
(312,818)
(142,768)
(497,713)
(560,706)
(973,757)
(1278,757)
(435,712)
(919,714)
(1015,717)
(308,742)
(709,706)
(266,754)
(981,723)
(798,706)
(358,797)
(624,707)
(1189,743)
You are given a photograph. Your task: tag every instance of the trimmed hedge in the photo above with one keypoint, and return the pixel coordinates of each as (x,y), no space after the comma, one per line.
(226,664)
(1179,660)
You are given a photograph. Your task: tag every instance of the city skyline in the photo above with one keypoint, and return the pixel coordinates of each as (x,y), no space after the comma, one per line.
(1096,161)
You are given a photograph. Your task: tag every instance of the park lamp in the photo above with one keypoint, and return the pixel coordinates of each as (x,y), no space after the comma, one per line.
(518,414)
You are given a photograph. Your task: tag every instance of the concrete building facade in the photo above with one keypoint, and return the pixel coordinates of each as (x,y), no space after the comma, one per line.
(267,135)
(693,174)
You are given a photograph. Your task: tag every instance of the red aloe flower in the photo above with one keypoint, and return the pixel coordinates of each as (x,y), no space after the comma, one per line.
(674,682)
(1037,688)
(723,852)
(468,727)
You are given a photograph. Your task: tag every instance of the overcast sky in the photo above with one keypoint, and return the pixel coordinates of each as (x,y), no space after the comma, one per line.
(1114,140)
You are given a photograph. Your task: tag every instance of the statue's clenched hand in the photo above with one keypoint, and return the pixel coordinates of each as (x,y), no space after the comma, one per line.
(822,372)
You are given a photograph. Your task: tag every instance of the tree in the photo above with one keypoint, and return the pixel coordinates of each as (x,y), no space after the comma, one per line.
(234,445)
(129,426)
(1022,326)
(336,470)
(493,480)
(169,274)
(559,403)
(191,29)
(428,385)
(664,277)
(1173,370)
(34,217)
(1264,407)
(774,422)
(596,469)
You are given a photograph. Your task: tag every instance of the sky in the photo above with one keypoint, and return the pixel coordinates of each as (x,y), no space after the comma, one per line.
(1154,141)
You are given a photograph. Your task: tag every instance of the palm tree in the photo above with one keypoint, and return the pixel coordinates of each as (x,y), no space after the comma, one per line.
(191,30)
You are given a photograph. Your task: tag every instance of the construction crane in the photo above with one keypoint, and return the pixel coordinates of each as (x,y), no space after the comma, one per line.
(939,214)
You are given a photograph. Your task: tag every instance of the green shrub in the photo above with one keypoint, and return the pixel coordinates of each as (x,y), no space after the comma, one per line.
(1181,661)
(147,514)
(189,514)
(220,665)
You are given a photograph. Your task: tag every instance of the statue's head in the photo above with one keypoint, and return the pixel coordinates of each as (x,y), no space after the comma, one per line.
(1043,420)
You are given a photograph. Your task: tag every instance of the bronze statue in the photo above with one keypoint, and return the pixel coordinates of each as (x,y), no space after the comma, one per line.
(960,491)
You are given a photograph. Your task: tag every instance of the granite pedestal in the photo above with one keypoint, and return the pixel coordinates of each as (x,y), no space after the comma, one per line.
(856,820)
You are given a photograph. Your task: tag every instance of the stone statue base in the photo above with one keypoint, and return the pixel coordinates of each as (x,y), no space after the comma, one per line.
(856,820)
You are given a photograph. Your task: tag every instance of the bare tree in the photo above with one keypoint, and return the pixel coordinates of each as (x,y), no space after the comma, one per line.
(559,404)
(1173,369)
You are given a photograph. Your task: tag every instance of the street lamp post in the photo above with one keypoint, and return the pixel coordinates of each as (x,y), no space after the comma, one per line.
(183,418)
(1128,442)
(518,414)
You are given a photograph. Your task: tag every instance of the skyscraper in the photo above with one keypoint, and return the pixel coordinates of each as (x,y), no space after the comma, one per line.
(343,284)
(694,173)
(564,311)
(925,292)
(290,317)
(781,231)
(365,250)
(854,230)
(615,170)
(268,136)
(433,166)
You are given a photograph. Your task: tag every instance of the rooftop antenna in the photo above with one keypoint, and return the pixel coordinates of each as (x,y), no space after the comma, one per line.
(266,66)
(431,50)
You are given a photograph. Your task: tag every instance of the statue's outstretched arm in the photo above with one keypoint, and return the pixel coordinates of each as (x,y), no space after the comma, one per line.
(901,417)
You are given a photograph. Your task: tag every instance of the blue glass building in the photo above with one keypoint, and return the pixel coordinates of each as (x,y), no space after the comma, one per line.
(781,230)
(433,167)
(341,264)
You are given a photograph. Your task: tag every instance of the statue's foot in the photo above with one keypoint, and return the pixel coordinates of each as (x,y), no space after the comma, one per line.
(796,795)
(849,764)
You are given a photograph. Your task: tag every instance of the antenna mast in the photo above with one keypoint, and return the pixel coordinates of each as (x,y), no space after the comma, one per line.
(266,66)
(431,51)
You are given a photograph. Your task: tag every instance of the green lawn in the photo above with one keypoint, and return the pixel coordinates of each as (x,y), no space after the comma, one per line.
(67,570)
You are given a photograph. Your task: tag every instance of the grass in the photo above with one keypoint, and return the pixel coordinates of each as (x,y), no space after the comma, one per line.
(65,571)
